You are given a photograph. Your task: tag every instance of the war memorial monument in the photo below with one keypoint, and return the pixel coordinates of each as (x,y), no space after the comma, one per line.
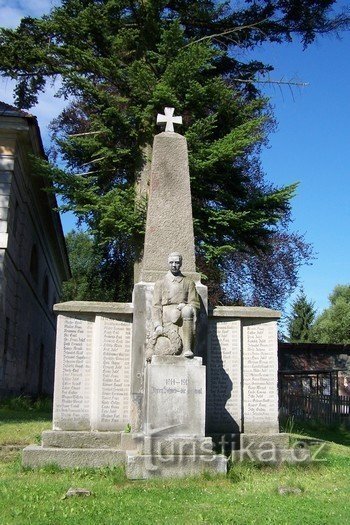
(153,384)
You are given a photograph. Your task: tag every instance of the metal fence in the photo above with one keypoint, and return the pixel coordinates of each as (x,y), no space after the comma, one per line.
(326,409)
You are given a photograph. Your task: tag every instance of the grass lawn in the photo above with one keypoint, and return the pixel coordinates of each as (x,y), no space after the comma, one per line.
(248,495)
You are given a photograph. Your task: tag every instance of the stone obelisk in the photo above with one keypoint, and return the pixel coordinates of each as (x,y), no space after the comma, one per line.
(169,390)
(169,225)
(169,228)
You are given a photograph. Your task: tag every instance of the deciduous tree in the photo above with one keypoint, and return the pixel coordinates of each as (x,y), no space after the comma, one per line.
(333,325)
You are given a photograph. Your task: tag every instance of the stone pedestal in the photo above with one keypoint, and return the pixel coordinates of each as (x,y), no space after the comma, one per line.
(142,329)
(92,387)
(79,449)
(173,442)
(175,397)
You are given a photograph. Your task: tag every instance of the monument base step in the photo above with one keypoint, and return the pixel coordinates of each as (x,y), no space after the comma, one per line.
(260,441)
(175,445)
(272,456)
(146,466)
(87,439)
(38,456)
(271,448)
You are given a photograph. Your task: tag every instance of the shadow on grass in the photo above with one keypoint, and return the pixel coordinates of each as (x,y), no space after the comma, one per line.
(23,409)
(338,434)
(23,416)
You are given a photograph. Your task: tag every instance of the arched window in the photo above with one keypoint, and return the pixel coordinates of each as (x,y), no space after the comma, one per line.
(34,263)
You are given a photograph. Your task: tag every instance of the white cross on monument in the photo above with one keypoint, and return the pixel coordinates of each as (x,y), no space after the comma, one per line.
(168,119)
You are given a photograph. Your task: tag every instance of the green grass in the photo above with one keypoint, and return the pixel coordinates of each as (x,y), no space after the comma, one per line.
(248,495)
(22,421)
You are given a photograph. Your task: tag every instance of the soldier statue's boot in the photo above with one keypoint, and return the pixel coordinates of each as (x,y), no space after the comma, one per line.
(187,333)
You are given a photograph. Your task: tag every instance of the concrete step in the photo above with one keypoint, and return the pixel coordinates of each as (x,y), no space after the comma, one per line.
(39,456)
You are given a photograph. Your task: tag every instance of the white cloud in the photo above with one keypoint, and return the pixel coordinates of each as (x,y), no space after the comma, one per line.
(10,17)
(12,11)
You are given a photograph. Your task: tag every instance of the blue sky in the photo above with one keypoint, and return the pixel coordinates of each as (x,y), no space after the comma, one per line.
(311,144)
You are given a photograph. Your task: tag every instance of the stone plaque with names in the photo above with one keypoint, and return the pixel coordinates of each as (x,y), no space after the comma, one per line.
(73,373)
(224,376)
(112,353)
(260,366)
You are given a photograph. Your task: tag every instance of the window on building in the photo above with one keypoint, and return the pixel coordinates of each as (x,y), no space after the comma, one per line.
(6,347)
(326,386)
(41,369)
(28,351)
(34,263)
(45,291)
(15,219)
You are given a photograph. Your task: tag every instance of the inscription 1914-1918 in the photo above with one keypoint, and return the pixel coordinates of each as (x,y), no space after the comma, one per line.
(176,386)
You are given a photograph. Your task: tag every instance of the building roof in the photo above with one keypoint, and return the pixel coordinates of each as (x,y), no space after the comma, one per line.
(314,347)
(11,113)
(6,109)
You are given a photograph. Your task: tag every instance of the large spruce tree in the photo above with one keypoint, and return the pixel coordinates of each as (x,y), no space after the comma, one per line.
(120,63)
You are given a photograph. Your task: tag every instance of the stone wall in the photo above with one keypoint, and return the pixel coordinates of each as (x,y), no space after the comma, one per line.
(312,357)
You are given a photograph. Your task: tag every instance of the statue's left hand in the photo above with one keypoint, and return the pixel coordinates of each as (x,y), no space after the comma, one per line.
(181,306)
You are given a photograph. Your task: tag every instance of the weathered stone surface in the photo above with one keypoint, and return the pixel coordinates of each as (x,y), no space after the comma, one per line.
(244,311)
(280,440)
(36,456)
(73,388)
(92,377)
(175,396)
(272,456)
(3,240)
(260,367)
(177,445)
(289,490)
(110,403)
(224,388)
(142,328)
(242,394)
(71,492)
(174,313)
(169,226)
(176,466)
(81,439)
(93,307)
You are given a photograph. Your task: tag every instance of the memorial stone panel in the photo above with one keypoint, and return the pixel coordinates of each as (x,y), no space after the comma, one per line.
(112,352)
(72,397)
(260,366)
(175,390)
(224,376)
